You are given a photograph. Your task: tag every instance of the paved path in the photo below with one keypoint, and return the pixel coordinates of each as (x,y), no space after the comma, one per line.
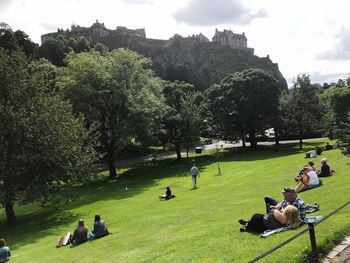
(224,144)
(339,254)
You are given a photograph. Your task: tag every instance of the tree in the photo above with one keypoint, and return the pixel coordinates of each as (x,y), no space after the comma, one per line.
(301,108)
(343,133)
(183,118)
(18,40)
(55,49)
(41,144)
(244,103)
(118,94)
(336,107)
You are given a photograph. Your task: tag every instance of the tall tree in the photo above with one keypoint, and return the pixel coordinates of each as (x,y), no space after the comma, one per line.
(336,107)
(183,118)
(41,144)
(301,107)
(118,94)
(18,40)
(244,103)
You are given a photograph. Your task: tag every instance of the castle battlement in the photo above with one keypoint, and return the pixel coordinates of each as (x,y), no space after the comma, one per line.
(99,33)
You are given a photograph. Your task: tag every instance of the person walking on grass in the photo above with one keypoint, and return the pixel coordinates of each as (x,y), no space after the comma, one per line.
(194,172)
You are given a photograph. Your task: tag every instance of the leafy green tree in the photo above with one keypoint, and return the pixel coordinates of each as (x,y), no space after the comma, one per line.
(47,71)
(54,50)
(183,118)
(244,103)
(118,94)
(343,133)
(41,144)
(301,107)
(335,104)
(18,40)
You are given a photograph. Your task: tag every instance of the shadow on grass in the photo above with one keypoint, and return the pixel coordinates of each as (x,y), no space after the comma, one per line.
(133,181)
(142,176)
(34,226)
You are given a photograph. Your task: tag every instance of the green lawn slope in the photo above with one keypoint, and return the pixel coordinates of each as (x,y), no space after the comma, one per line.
(198,225)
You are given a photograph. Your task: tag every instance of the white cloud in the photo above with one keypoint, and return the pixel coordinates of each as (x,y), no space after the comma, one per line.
(341,50)
(211,13)
(138,2)
(294,33)
(4,4)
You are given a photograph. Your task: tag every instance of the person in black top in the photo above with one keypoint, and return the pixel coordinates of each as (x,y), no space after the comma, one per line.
(325,169)
(167,194)
(99,228)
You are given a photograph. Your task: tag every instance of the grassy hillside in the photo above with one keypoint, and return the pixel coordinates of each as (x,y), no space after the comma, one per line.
(198,225)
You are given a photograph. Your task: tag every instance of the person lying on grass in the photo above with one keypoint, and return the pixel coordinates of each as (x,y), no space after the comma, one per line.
(167,194)
(290,197)
(308,180)
(274,219)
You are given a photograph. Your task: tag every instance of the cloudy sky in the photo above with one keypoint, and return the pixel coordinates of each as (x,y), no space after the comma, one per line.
(310,36)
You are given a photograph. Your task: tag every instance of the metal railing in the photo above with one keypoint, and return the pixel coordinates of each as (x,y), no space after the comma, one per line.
(311,231)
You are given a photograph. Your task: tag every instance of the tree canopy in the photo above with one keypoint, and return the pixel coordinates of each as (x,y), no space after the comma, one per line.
(184,116)
(118,94)
(41,144)
(244,103)
(301,108)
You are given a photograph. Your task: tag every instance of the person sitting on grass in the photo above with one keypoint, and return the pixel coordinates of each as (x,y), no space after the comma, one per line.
(308,180)
(80,233)
(312,167)
(99,228)
(5,252)
(273,220)
(328,147)
(325,169)
(167,194)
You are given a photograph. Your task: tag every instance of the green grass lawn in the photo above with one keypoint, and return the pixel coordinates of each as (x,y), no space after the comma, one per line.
(198,225)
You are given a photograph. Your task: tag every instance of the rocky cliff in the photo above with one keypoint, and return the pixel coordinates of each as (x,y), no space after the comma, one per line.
(187,59)
(199,63)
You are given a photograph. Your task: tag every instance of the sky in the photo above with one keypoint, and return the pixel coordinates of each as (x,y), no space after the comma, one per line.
(311,37)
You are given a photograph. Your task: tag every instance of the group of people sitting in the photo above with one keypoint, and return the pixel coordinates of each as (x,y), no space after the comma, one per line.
(5,253)
(309,176)
(81,233)
(318,150)
(290,212)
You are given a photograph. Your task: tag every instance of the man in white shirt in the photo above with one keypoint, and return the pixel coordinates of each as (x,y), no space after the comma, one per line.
(194,172)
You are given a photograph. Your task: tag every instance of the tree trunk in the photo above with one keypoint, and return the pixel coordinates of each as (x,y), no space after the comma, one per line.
(10,213)
(300,136)
(252,139)
(111,165)
(178,151)
(277,139)
(187,150)
(243,139)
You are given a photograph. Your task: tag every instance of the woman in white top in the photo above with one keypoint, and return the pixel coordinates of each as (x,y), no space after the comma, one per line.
(308,180)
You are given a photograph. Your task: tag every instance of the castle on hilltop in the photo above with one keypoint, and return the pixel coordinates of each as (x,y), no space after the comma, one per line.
(228,38)
(99,33)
